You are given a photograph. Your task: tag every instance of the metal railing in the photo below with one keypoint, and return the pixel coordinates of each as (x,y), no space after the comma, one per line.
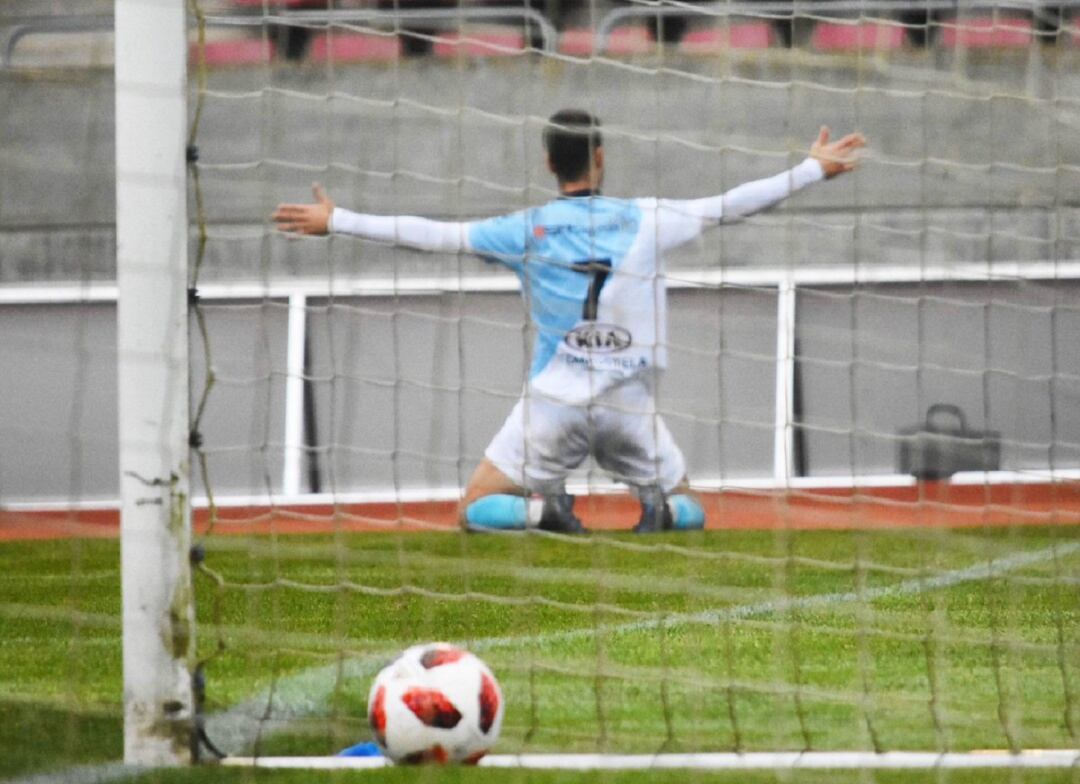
(389,20)
(778,10)
(87,23)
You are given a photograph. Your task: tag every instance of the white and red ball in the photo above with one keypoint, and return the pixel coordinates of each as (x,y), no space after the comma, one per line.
(435,703)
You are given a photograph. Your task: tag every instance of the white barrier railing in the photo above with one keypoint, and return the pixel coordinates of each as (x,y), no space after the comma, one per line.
(383,19)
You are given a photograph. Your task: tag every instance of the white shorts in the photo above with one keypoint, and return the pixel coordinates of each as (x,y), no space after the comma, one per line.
(543,440)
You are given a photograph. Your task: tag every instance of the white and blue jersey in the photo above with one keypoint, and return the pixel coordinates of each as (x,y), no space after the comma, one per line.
(589,272)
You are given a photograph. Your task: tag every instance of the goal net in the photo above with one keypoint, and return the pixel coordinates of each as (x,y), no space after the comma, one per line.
(874,384)
(828,605)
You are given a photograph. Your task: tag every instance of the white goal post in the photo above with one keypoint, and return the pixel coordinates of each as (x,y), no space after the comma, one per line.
(151,223)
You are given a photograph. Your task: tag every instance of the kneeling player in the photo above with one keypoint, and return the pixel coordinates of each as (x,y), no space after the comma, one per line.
(591,274)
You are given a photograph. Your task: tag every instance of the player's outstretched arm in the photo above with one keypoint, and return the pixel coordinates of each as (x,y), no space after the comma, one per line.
(323,217)
(826,160)
(681,221)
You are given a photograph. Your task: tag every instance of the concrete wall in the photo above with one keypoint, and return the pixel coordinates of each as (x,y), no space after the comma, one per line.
(58,409)
(971,160)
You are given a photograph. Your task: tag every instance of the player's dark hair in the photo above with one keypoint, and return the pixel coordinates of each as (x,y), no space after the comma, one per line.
(570,138)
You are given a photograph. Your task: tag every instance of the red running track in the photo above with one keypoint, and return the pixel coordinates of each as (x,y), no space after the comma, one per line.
(930,504)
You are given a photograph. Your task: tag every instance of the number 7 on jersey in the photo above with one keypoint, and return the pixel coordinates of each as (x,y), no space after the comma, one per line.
(599,269)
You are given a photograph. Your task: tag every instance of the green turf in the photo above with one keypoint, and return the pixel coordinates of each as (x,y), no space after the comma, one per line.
(481,776)
(589,638)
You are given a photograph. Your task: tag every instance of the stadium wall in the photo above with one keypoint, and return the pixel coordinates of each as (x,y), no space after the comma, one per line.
(466,144)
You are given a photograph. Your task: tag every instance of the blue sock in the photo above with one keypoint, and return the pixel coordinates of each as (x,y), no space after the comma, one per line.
(686,512)
(361,750)
(501,512)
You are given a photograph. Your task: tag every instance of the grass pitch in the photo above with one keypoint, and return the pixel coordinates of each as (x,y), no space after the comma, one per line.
(714,641)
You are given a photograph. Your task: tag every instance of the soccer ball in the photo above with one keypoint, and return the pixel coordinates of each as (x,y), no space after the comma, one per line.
(435,703)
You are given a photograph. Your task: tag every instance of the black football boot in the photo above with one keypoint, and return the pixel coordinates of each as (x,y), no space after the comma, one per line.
(655,515)
(558,515)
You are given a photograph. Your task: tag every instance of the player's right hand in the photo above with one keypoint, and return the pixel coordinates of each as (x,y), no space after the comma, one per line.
(306,218)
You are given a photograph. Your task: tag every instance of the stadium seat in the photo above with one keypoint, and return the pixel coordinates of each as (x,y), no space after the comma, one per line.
(240,51)
(836,36)
(749,35)
(986,32)
(479,44)
(355,48)
(622,41)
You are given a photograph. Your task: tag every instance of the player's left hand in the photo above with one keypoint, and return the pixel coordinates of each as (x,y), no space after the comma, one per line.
(839,156)
(306,218)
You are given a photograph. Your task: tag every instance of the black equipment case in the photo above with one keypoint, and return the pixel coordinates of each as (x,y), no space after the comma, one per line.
(943,445)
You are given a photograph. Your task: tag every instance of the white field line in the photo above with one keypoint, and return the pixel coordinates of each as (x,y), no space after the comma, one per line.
(239,728)
(765,760)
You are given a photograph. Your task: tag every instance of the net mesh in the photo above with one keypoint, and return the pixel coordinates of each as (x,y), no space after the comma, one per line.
(940,273)
(343,390)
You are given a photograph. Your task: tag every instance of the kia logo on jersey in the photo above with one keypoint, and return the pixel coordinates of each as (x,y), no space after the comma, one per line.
(598,337)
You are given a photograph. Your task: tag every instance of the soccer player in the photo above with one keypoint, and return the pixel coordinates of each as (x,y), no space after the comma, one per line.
(592,278)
